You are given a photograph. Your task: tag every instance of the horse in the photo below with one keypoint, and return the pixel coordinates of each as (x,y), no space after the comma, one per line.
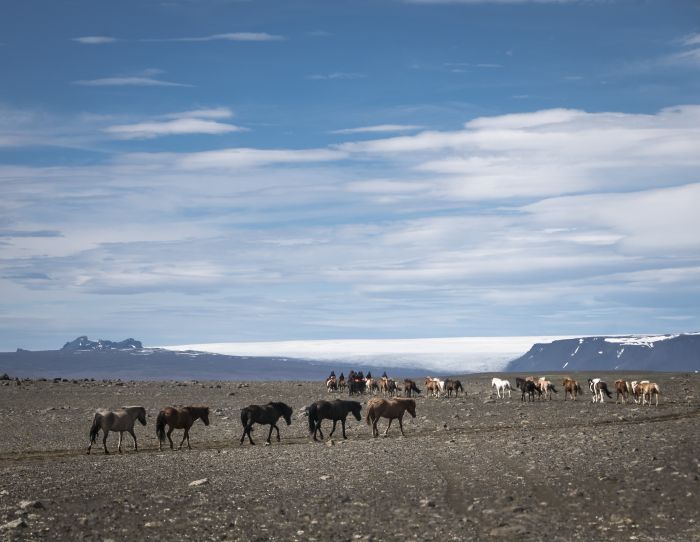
(356,384)
(571,387)
(621,390)
(453,386)
(500,385)
(637,390)
(179,418)
(432,386)
(598,387)
(409,388)
(372,385)
(118,420)
(648,389)
(331,384)
(526,387)
(265,415)
(341,382)
(391,409)
(546,388)
(332,410)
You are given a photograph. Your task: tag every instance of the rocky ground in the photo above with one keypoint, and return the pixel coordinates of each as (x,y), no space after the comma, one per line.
(471,467)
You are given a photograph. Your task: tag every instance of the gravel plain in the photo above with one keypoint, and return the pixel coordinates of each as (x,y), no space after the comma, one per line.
(469,468)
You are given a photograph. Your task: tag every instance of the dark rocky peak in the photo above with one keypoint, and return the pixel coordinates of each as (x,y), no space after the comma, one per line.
(83,343)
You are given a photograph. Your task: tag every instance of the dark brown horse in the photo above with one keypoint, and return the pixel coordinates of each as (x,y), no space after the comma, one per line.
(452,385)
(337,410)
(265,415)
(389,408)
(179,418)
(409,388)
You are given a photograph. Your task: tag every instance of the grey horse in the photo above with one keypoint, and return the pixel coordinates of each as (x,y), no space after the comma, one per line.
(118,420)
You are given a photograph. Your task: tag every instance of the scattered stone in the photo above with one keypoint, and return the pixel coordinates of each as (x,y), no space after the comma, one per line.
(14,524)
(331,442)
(197,483)
(26,505)
(509,530)
(427,503)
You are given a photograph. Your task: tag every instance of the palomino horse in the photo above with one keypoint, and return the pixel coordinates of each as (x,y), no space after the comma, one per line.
(499,385)
(336,410)
(452,385)
(118,420)
(637,389)
(598,387)
(409,388)
(647,390)
(179,418)
(571,387)
(546,387)
(391,409)
(265,415)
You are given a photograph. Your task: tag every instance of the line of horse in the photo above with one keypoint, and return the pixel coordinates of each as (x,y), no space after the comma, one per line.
(124,419)
(640,391)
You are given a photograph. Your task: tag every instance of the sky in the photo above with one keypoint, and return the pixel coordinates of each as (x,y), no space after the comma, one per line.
(197,171)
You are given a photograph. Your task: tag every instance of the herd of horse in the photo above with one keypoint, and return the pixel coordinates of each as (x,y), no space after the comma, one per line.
(391,407)
(640,391)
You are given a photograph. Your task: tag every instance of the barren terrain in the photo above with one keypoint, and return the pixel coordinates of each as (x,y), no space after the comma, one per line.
(472,467)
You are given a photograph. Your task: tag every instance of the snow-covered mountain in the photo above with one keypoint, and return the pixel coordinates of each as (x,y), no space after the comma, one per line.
(615,353)
(83,343)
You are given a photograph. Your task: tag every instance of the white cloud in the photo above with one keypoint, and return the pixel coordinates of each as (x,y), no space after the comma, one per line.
(213,113)
(379,128)
(132,81)
(229,36)
(145,130)
(336,75)
(95,40)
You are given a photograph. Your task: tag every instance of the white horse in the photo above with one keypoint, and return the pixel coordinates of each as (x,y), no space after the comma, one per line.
(119,420)
(501,385)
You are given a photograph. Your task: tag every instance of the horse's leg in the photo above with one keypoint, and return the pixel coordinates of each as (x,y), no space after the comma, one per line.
(269,435)
(401,422)
(133,436)
(342,423)
(248,429)
(335,423)
(278,433)
(388,426)
(121,434)
(184,436)
(319,429)
(375,430)
(171,428)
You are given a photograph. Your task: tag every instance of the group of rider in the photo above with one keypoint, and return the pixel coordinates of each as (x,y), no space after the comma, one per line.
(356,381)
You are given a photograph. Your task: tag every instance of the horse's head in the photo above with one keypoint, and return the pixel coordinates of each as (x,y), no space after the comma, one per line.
(205,415)
(411,408)
(287,413)
(141,416)
(356,408)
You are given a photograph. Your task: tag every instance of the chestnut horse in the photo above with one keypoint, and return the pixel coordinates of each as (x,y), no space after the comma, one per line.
(571,387)
(409,388)
(389,408)
(622,389)
(179,418)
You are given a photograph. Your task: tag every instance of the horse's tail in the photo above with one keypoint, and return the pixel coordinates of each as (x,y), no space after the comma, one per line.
(160,426)
(95,429)
(312,418)
(551,386)
(607,392)
(370,410)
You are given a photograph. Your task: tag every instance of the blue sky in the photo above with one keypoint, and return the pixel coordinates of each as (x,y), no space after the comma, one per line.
(193,171)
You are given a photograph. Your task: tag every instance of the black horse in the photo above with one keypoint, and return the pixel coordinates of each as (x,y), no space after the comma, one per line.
(357,385)
(452,385)
(526,387)
(265,415)
(332,410)
(409,387)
